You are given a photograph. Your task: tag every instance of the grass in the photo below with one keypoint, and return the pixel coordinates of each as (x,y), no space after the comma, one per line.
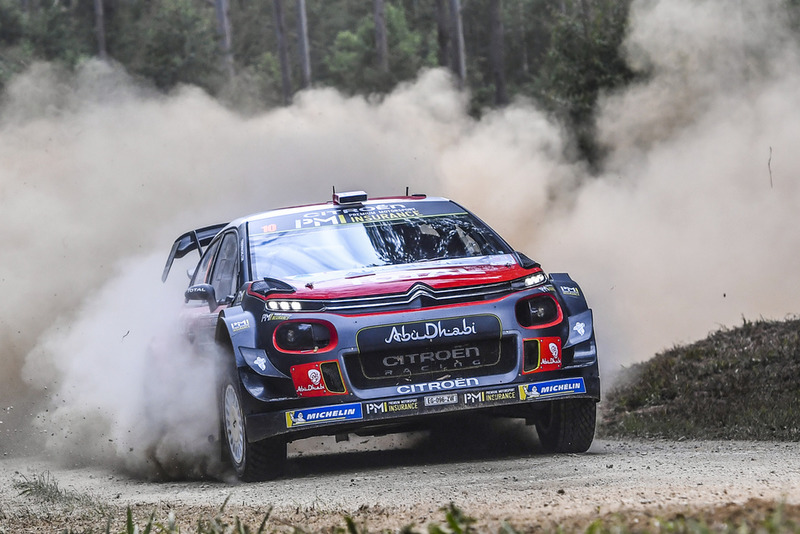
(754,517)
(736,384)
(44,489)
(774,520)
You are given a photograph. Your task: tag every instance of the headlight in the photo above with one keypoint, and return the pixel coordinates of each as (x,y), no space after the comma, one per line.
(533,280)
(284,305)
(301,336)
(538,311)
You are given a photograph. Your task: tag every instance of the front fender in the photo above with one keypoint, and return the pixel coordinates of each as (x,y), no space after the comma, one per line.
(240,326)
(570,293)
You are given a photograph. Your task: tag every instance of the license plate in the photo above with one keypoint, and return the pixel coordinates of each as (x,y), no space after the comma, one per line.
(439,400)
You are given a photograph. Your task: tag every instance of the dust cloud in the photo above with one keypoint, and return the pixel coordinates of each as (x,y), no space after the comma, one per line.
(690,225)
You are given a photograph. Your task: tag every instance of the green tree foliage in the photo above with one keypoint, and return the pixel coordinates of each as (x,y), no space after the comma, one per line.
(560,53)
(170,42)
(583,56)
(352,60)
(583,59)
(53,32)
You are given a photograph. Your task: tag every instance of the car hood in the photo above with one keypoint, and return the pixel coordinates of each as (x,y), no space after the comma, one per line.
(393,279)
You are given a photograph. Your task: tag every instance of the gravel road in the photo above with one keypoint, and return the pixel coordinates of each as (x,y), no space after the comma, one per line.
(389,482)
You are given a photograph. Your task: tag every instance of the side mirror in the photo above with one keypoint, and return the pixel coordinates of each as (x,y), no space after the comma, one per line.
(204,292)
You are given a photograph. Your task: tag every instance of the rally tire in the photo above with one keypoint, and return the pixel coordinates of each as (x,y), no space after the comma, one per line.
(253,462)
(567,425)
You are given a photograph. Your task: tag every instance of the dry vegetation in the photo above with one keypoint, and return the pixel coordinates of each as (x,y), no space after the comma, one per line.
(736,384)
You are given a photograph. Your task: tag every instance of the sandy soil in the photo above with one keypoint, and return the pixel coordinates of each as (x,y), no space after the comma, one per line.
(390,482)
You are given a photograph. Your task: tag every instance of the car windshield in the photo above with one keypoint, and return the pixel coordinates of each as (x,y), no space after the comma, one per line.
(353,246)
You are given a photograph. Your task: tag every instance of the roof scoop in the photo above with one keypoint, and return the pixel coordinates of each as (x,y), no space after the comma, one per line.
(349,197)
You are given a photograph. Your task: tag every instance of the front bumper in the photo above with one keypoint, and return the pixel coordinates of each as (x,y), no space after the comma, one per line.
(459,395)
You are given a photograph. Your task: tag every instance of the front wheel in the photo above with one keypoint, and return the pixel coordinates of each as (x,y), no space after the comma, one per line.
(567,425)
(261,460)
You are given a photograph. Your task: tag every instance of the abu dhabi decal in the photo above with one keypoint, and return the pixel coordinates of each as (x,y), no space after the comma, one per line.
(428,333)
(431,330)
(552,388)
(308,380)
(549,357)
(323,414)
(442,385)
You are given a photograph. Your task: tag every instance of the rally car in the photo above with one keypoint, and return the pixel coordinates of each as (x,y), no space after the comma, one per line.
(366,316)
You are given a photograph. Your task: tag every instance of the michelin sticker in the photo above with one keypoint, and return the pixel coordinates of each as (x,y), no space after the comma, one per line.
(552,388)
(323,414)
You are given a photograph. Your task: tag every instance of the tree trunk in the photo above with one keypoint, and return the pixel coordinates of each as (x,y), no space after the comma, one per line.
(100,28)
(585,17)
(523,46)
(283,51)
(381,44)
(226,40)
(443,35)
(459,56)
(497,52)
(302,35)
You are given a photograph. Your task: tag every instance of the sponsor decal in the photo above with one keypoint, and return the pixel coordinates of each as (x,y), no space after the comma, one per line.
(238,326)
(443,355)
(360,214)
(580,328)
(261,362)
(551,388)
(570,291)
(323,414)
(496,395)
(196,289)
(392,407)
(445,359)
(429,333)
(441,400)
(441,385)
(270,316)
(549,354)
(473,398)
(308,380)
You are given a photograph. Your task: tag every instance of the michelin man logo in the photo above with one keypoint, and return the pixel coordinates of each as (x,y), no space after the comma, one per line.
(261,363)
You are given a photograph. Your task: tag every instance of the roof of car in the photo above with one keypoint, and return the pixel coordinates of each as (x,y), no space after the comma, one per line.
(332,208)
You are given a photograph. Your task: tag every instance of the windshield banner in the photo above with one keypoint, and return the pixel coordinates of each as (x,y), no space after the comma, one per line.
(360,214)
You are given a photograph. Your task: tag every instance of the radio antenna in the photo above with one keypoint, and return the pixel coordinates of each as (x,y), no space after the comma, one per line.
(406,190)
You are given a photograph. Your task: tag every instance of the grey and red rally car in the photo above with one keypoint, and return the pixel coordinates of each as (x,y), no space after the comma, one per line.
(367,315)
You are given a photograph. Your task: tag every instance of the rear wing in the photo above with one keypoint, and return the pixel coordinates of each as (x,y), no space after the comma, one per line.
(194,240)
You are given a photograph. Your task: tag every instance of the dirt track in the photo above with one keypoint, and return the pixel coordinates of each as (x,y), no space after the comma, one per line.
(502,478)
